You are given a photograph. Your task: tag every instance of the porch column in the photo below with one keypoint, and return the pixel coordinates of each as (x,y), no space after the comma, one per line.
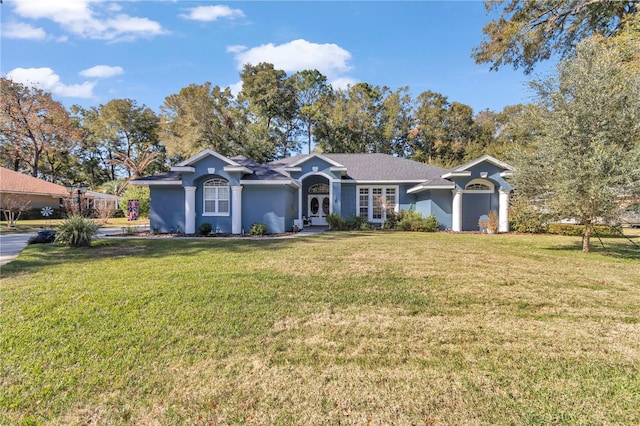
(300,221)
(236,209)
(503,211)
(189,209)
(456,213)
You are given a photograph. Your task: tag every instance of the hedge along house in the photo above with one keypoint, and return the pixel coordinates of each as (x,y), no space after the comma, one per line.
(232,193)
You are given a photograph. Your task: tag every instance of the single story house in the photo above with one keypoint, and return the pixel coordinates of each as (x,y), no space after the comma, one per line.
(232,193)
(33,193)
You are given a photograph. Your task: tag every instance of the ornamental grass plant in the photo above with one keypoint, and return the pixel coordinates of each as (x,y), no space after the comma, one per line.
(76,231)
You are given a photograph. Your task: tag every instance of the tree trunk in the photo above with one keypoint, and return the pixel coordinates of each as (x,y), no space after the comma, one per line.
(587,236)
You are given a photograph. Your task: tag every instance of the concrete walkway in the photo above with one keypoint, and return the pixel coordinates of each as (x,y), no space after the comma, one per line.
(11,244)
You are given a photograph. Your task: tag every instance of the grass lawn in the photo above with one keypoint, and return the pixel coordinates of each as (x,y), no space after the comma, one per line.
(34,225)
(340,328)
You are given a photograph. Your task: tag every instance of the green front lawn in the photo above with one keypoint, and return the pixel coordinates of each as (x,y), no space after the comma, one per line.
(340,328)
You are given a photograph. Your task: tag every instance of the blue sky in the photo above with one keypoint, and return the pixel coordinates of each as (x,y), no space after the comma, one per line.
(88,52)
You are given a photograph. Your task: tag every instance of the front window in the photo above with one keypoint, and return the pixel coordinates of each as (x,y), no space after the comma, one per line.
(375,202)
(216,197)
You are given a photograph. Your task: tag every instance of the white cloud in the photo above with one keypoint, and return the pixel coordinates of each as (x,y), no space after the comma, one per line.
(343,82)
(212,13)
(297,55)
(89,18)
(102,71)
(22,31)
(47,80)
(236,88)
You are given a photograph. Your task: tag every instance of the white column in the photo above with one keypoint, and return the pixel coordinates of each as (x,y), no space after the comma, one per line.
(189,209)
(503,211)
(456,213)
(236,209)
(300,221)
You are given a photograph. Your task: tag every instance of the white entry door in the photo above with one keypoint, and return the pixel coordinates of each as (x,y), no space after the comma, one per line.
(319,208)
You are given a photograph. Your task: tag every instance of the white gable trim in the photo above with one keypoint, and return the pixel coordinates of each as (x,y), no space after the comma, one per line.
(485,158)
(456,174)
(202,154)
(318,156)
(187,169)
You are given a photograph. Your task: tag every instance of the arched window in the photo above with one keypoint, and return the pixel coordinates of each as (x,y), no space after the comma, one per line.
(480,185)
(216,197)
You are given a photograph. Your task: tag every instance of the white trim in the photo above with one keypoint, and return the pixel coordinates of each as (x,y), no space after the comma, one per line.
(290,182)
(370,218)
(293,169)
(485,182)
(156,182)
(484,158)
(331,179)
(456,174)
(242,169)
(341,170)
(379,182)
(420,188)
(506,173)
(206,153)
(318,156)
(187,169)
(217,198)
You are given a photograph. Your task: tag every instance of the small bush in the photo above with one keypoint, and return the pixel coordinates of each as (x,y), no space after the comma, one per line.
(411,220)
(43,237)
(573,230)
(526,217)
(357,223)
(258,229)
(205,229)
(76,231)
(336,222)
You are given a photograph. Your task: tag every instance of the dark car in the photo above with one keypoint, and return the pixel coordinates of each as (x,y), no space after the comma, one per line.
(43,237)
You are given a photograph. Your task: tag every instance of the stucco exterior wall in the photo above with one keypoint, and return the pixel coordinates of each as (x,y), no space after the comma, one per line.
(166,212)
(273,205)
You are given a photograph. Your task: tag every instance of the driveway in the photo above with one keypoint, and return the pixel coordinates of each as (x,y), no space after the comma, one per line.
(11,245)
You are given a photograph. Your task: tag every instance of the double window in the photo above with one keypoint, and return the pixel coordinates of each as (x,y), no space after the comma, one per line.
(216,197)
(375,201)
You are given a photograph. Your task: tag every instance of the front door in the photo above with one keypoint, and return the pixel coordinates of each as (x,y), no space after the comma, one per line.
(319,208)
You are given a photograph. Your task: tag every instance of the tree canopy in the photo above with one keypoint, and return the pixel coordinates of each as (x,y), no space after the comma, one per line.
(527,32)
(587,152)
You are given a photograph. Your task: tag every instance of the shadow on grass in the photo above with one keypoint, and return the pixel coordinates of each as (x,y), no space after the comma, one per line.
(36,258)
(618,247)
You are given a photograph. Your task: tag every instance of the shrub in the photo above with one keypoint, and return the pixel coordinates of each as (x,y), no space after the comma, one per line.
(43,237)
(258,229)
(429,224)
(357,223)
(411,220)
(140,193)
(76,231)
(573,230)
(205,229)
(525,217)
(336,222)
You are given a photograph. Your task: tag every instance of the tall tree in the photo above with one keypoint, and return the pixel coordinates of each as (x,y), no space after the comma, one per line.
(588,152)
(32,124)
(311,90)
(527,32)
(199,117)
(120,134)
(270,97)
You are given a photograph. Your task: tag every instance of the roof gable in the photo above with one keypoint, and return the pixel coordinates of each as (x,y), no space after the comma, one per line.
(484,159)
(202,154)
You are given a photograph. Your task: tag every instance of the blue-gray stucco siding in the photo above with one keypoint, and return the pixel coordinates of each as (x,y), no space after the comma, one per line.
(166,212)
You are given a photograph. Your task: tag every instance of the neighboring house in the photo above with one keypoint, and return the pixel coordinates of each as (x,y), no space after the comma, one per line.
(100,201)
(234,193)
(23,189)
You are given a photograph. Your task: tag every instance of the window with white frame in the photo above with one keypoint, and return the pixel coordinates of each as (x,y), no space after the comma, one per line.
(480,186)
(375,201)
(216,197)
